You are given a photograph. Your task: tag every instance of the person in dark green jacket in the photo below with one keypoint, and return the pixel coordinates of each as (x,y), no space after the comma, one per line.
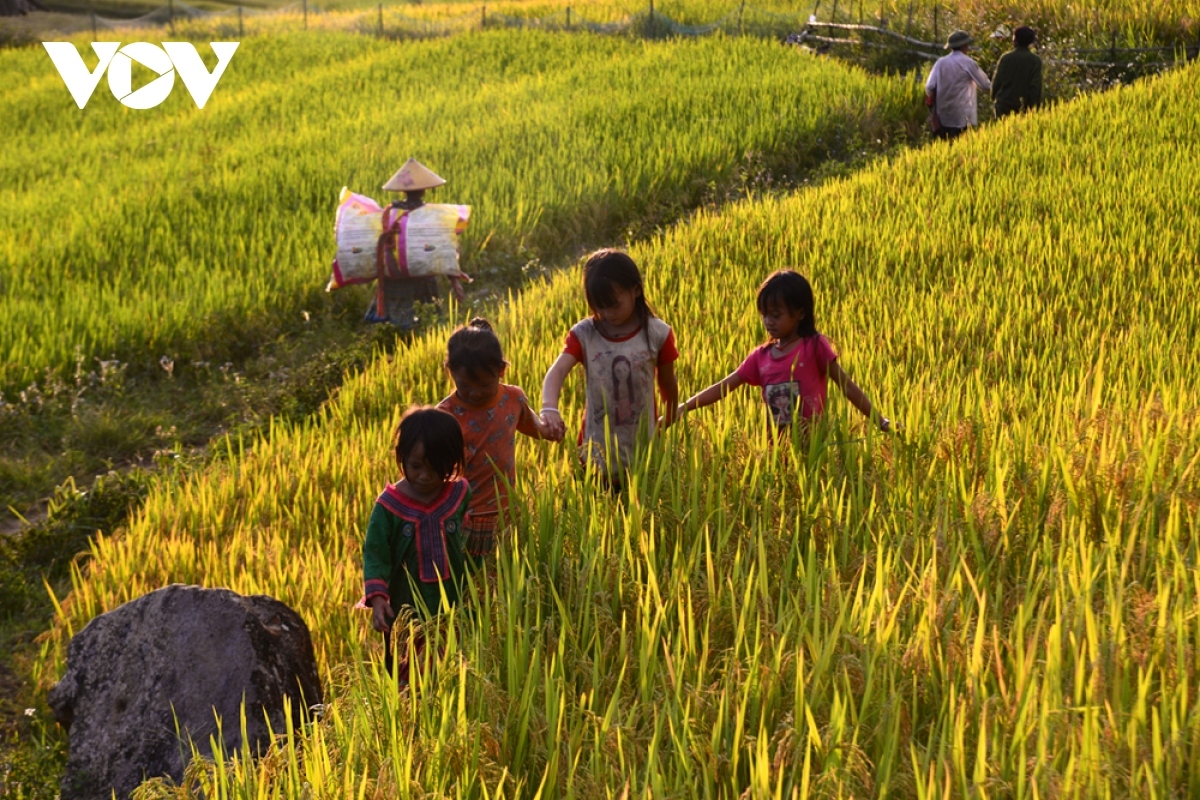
(1017,85)
(414,556)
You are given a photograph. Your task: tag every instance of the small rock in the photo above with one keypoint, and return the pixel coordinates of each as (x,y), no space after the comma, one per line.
(177,656)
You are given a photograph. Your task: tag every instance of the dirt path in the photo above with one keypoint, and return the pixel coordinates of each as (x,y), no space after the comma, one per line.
(12,524)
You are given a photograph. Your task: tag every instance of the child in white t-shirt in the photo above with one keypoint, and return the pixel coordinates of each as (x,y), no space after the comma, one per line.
(625,350)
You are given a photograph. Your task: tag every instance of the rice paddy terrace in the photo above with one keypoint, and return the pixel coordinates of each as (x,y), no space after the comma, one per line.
(998,601)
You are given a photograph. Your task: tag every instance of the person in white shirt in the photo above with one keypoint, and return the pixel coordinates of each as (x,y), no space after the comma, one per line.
(951,88)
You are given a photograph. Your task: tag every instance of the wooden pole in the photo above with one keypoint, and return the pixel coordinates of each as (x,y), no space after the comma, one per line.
(833,14)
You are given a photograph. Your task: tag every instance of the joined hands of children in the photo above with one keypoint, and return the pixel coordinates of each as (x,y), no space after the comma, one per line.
(552,426)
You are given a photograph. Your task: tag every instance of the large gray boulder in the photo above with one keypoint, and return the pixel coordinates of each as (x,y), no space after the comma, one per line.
(177,656)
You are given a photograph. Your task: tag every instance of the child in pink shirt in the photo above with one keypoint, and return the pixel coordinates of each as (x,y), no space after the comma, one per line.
(795,365)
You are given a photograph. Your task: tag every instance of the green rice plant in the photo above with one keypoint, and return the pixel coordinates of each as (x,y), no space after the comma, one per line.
(1139,21)
(998,601)
(1133,21)
(198,233)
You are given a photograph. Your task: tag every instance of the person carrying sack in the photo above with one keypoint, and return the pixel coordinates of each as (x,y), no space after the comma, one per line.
(950,90)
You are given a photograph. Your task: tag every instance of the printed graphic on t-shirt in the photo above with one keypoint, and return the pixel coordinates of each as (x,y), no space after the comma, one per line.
(623,393)
(781,401)
(619,378)
(620,387)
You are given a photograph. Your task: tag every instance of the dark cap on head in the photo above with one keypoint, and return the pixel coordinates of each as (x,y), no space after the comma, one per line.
(958,39)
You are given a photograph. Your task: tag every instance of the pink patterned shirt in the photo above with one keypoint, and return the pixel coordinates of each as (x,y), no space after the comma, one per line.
(799,376)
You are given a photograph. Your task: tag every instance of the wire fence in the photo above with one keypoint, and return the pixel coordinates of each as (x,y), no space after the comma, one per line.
(873,42)
(396,21)
(933,50)
(405,22)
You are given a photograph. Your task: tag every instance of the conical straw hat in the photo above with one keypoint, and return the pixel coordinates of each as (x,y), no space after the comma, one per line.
(413,177)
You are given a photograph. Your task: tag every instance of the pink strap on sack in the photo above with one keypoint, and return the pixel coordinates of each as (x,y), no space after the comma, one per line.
(390,259)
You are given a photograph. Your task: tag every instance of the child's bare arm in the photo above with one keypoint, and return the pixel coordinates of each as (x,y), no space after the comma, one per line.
(712,394)
(532,425)
(551,391)
(668,387)
(856,396)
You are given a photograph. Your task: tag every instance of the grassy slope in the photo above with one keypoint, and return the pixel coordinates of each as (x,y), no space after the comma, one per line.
(1002,598)
(190,233)
(1059,17)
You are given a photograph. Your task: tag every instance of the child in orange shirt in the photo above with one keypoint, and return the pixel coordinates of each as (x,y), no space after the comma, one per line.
(490,413)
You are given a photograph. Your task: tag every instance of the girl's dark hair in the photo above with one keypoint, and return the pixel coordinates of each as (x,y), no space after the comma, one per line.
(603,272)
(438,431)
(793,290)
(475,349)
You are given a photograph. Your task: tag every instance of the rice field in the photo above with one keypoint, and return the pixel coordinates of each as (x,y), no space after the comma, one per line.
(1137,18)
(185,232)
(1000,601)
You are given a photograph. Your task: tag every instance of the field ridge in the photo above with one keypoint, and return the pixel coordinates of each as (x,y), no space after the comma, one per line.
(1001,599)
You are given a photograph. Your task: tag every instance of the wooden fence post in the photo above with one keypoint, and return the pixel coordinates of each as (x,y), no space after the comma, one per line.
(833,14)
(881,14)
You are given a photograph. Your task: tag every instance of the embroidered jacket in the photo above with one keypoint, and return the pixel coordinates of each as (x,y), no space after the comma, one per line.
(414,547)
